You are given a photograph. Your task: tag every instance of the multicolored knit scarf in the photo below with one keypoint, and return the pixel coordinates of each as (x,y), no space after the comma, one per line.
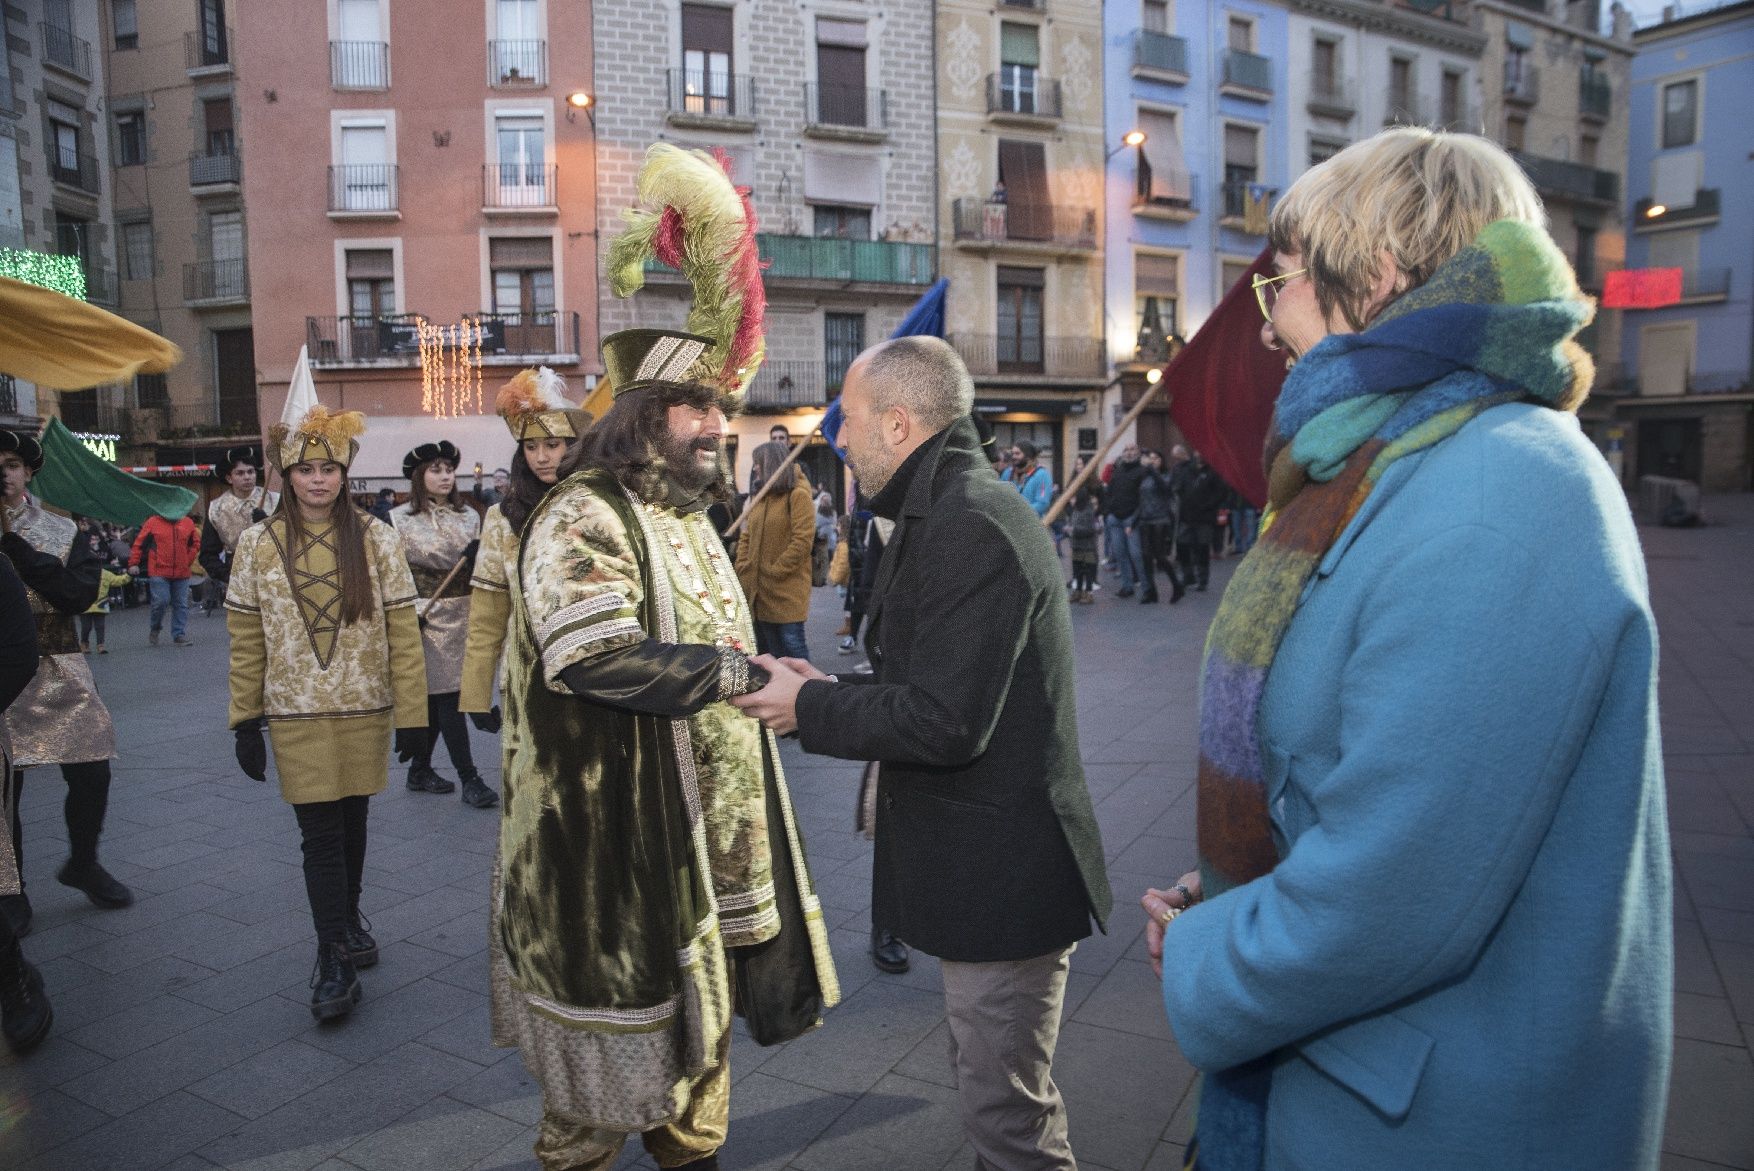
(1494,324)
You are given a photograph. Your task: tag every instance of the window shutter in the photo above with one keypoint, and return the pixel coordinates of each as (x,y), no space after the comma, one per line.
(1026,278)
(1156,276)
(1019,44)
(520,252)
(1239,146)
(1023,169)
(706,29)
(370,264)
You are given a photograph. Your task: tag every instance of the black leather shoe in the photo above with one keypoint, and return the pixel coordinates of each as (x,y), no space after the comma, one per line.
(334,982)
(476,791)
(423,778)
(99,885)
(1127,592)
(361,947)
(1148,599)
(16,908)
(888,952)
(25,1015)
(708,1163)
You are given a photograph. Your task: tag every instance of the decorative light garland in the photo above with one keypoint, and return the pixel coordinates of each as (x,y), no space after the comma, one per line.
(450,367)
(63,274)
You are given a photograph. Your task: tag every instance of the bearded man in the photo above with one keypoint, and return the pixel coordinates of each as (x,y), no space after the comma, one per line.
(649,858)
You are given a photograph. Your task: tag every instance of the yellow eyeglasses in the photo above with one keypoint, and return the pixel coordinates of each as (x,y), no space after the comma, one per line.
(1266,290)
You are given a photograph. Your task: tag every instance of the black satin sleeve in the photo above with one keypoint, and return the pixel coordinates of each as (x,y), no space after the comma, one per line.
(70,588)
(18,636)
(212,556)
(668,679)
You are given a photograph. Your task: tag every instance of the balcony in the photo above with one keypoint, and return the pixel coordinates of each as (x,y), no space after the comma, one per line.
(517,64)
(73,169)
(1441,9)
(1246,75)
(518,337)
(224,415)
(789,385)
(213,284)
(1706,207)
(1463,118)
(1026,5)
(830,260)
(394,339)
(95,409)
(1557,179)
(1406,110)
(1704,286)
(101,286)
(1018,93)
(65,51)
(1234,194)
(224,170)
(360,65)
(1331,97)
(207,54)
(845,112)
(1166,195)
(990,355)
(1522,83)
(1160,57)
(717,101)
(981,225)
(1595,95)
(365,191)
(513,189)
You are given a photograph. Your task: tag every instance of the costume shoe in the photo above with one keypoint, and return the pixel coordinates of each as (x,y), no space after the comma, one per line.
(334,982)
(25,1014)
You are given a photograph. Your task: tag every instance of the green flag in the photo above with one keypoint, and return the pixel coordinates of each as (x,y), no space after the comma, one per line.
(76,480)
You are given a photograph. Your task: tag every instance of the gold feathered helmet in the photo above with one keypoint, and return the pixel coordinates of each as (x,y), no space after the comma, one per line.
(321,434)
(534,406)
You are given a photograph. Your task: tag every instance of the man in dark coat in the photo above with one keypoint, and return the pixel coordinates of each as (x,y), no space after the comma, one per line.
(987,852)
(1199,494)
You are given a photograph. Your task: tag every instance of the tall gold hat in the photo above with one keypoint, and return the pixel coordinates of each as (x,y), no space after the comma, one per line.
(534,406)
(310,431)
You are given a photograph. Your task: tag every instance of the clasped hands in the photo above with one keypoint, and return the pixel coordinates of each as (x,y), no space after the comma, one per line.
(1162,906)
(776,705)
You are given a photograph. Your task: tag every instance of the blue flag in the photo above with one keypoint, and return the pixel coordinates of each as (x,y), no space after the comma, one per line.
(925,319)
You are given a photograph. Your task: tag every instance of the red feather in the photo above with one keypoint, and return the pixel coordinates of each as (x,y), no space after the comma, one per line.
(746,266)
(667,241)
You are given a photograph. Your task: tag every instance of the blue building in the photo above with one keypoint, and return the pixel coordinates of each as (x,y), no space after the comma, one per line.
(1206,82)
(1689,410)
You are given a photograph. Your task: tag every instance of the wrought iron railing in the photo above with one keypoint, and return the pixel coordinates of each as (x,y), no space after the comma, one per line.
(1168,189)
(1235,195)
(359,65)
(1248,71)
(1023,91)
(528,335)
(206,170)
(872,261)
(204,51)
(73,169)
(1522,83)
(1567,180)
(788,384)
(1161,51)
(61,48)
(511,186)
(976,219)
(390,339)
(703,93)
(1331,95)
(364,187)
(1595,95)
(1022,352)
(216,280)
(517,63)
(850,106)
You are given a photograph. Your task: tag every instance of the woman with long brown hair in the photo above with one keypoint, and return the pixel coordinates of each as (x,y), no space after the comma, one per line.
(325,654)
(441,536)
(773,559)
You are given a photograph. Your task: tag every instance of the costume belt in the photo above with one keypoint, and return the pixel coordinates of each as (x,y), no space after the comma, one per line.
(56,634)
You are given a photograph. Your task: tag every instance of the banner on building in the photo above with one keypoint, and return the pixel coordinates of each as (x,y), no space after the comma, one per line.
(1642,288)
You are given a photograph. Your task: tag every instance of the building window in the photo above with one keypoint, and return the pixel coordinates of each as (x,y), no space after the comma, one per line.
(1515,130)
(1019,59)
(1588,146)
(1452,111)
(1239,35)
(1241,166)
(521,144)
(64,153)
(1323,149)
(520,55)
(843,223)
(137,251)
(840,73)
(214,49)
(1156,295)
(371,285)
(707,60)
(1325,67)
(366,182)
(359,59)
(1018,345)
(1229,273)
(1023,186)
(1163,172)
(843,339)
(131,138)
(523,294)
(125,23)
(151,390)
(1584,262)
(1680,114)
(72,237)
(1155,17)
(1516,66)
(225,248)
(221,137)
(1401,90)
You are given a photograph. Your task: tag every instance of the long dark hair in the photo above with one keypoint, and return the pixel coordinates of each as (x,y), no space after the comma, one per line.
(764,460)
(624,442)
(523,491)
(350,556)
(419,499)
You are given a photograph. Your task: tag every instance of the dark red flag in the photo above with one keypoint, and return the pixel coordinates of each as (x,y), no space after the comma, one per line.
(1223,385)
(1642,288)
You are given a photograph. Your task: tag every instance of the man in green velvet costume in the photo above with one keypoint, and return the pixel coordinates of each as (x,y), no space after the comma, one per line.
(651,872)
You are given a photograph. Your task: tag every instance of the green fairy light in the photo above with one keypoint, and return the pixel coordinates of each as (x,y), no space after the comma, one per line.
(63,274)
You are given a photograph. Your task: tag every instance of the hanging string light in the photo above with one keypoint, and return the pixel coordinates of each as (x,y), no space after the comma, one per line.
(450,368)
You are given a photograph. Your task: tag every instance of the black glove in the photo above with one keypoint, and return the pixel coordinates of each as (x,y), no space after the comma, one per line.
(487,721)
(15,547)
(252,749)
(257,516)
(410,743)
(472,548)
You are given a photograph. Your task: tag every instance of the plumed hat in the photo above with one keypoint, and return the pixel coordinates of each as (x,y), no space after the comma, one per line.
(247,454)
(308,430)
(427,452)
(534,406)
(26,446)
(693,219)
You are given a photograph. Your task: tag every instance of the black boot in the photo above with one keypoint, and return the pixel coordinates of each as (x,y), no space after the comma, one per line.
(1149,597)
(423,778)
(888,952)
(25,1014)
(17,910)
(334,982)
(361,947)
(704,1163)
(475,790)
(1176,589)
(99,885)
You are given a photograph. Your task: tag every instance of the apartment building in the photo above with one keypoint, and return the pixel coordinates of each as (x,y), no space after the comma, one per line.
(423,184)
(825,111)
(1021,150)
(55,196)
(1207,85)
(176,173)
(1688,402)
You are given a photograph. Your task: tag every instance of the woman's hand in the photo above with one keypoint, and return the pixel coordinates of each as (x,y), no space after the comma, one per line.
(1161,906)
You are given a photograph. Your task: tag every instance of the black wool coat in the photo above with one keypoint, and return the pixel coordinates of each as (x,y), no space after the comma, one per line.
(987,845)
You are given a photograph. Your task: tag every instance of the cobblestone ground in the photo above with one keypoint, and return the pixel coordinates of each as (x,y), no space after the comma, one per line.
(182,1038)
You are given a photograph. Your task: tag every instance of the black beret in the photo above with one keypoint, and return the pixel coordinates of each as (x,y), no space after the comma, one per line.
(248,454)
(28,449)
(427,452)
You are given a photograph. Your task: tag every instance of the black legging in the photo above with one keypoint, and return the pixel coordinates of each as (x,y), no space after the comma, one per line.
(88,796)
(1154,550)
(443,719)
(1196,553)
(333,834)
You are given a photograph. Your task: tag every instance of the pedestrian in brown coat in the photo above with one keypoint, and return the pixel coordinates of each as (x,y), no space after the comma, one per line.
(773,558)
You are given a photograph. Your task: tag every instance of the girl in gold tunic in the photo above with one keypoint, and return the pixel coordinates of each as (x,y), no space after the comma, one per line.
(325,652)
(441,536)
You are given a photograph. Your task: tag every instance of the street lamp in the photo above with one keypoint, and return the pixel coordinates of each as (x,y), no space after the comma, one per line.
(580,100)
(1132,138)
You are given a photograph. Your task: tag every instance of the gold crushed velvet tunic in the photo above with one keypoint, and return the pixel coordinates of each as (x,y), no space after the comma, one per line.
(331,692)
(230,514)
(58,718)
(490,610)
(434,540)
(638,850)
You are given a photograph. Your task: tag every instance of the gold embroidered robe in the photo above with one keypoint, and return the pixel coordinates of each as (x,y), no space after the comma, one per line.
(229,514)
(434,540)
(490,610)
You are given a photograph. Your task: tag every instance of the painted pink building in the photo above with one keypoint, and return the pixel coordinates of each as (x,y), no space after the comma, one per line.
(418,162)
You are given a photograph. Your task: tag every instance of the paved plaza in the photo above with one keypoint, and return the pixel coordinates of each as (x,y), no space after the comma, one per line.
(182,1037)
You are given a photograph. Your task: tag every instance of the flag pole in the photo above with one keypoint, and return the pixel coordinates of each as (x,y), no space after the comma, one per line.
(1059,506)
(761,493)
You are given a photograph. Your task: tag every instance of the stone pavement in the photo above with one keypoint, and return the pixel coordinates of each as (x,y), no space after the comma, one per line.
(182,1038)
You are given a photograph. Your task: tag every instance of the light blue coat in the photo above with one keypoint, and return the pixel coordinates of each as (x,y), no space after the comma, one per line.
(1464,960)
